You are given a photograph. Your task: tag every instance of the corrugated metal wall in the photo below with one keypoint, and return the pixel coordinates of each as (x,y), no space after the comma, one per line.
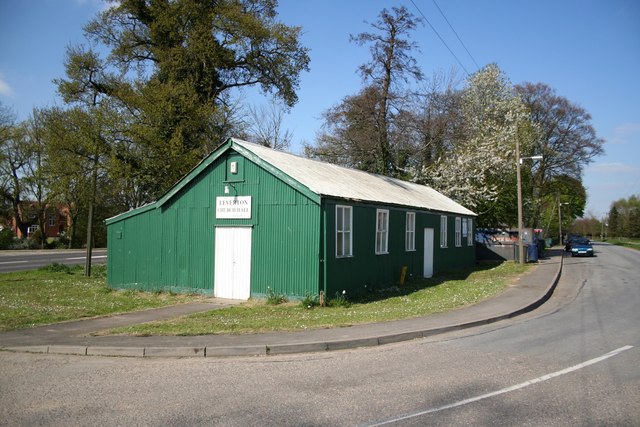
(285,253)
(366,268)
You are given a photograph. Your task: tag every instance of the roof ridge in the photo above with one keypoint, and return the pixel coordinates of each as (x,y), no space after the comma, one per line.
(335,165)
(332,180)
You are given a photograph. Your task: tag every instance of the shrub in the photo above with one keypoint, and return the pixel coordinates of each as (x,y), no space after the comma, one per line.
(37,240)
(98,271)
(6,238)
(56,268)
(310,301)
(62,242)
(274,298)
(25,244)
(340,300)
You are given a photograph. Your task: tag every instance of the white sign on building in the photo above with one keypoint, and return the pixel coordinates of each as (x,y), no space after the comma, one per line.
(233,207)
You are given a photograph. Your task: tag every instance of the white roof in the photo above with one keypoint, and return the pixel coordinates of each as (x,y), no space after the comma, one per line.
(327,179)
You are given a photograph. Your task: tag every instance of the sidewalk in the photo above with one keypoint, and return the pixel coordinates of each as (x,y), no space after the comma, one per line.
(531,291)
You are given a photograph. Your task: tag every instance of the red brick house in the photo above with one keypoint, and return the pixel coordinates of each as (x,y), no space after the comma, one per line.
(56,220)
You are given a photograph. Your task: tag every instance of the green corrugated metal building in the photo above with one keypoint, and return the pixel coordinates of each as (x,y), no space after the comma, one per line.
(249,218)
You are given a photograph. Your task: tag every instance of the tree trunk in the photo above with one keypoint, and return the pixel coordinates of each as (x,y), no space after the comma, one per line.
(94,184)
(20,225)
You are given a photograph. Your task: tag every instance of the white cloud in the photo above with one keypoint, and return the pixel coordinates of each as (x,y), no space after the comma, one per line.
(627,129)
(615,167)
(99,5)
(622,133)
(5,89)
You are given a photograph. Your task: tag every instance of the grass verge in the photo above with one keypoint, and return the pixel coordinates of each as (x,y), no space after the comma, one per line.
(626,242)
(57,293)
(418,298)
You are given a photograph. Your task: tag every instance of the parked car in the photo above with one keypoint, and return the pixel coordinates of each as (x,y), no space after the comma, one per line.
(581,247)
(570,239)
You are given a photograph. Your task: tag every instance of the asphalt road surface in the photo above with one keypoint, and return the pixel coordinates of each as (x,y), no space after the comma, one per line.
(573,362)
(32,259)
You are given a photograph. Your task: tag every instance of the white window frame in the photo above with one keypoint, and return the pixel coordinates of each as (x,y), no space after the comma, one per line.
(458,235)
(469,232)
(443,231)
(382,231)
(410,232)
(345,233)
(464,228)
(52,220)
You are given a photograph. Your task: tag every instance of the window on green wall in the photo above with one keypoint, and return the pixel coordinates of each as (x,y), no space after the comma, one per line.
(464,228)
(458,231)
(344,218)
(443,231)
(469,232)
(382,231)
(410,232)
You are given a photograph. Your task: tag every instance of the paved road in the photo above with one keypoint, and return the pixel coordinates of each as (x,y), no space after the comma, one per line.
(572,362)
(32,259)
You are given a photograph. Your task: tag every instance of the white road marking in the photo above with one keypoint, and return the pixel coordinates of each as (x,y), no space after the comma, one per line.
(13,262)
(508,389)
(84,257)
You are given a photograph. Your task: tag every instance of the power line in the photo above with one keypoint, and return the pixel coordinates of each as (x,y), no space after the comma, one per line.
(456,33)
(441,39)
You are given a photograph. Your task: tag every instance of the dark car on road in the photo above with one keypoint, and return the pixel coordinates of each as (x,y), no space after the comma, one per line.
(570,239)
(581,247)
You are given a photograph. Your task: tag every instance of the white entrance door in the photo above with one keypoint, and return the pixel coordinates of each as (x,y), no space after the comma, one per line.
(233,263)
(428,253)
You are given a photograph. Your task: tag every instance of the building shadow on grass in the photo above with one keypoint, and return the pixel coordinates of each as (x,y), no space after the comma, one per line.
(418,284)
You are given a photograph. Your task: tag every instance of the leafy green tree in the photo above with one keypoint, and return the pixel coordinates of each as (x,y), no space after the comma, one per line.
(350,136)
(70,151)
(15,157)
(25,183)
(36,179)
(588,226)
(562,192)
(624,217)
(614,221)
(567,140)
(141,117)
(634,222)
(175,63)
(87,87)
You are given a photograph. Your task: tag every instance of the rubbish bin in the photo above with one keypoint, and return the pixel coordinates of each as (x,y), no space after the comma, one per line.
(533,252)
(541,248)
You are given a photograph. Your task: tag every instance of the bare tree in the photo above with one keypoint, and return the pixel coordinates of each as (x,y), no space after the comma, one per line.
(264,126)
(371,130)
(391,65)
(437,118)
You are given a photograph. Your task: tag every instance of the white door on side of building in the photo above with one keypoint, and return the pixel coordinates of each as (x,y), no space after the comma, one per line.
(232,277)
(428,253)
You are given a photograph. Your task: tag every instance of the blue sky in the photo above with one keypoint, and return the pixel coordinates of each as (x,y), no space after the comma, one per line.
(588,50)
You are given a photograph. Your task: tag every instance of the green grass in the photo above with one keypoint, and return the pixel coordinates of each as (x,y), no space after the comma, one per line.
(58,293)
(627,242)
(419,298)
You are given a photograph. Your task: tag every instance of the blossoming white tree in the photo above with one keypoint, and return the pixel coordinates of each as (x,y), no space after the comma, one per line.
(482,162)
